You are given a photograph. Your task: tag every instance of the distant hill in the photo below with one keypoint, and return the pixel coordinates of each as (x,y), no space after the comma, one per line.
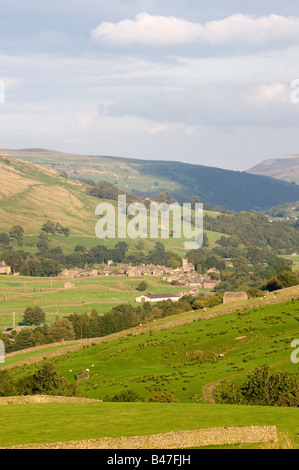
(228,189)
(285,168)
(30,195)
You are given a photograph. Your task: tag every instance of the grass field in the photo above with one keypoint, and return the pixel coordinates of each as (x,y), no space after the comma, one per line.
(174,360)
(101,292)
(177,360)
(40,423)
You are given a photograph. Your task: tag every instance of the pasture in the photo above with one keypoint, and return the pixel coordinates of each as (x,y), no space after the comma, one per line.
(101,293)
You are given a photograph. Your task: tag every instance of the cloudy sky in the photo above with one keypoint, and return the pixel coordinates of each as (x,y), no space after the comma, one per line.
(193,81)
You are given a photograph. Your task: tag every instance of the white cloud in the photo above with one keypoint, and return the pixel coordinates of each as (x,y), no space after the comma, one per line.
(273,92)
(168,30)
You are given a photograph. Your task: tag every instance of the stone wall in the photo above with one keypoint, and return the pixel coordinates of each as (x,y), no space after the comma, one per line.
(172,440)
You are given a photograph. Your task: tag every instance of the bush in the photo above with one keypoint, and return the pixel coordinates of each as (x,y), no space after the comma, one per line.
(165,397)
(127,396)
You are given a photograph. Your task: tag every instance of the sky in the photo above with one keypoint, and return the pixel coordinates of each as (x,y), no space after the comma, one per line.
(210,83)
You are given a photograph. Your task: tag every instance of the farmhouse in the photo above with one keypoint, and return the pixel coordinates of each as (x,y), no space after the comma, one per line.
(234,297)
(213,271)
(157,297)
(210,284)
(4,268)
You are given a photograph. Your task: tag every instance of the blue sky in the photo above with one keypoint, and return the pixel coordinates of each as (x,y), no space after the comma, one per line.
(194,81)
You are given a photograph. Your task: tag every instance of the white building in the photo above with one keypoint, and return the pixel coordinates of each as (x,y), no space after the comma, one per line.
(157,297)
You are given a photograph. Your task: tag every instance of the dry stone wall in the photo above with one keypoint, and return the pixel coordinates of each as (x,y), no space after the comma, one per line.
(172,440)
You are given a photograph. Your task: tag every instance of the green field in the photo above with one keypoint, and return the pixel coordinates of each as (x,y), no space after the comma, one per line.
(101,292)
(185,361)
(45,423)
(173,360)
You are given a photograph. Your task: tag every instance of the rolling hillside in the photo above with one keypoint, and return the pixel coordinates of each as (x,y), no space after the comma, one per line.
(31,195)
(228,189)
(285,168)
(183,357)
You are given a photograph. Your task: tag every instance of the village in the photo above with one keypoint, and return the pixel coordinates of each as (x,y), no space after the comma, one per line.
(184,275)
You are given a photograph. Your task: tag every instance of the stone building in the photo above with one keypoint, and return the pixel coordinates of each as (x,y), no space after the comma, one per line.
(234,297)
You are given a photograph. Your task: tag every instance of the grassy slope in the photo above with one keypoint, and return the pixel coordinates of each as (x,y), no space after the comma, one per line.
(34,195)
(285,168)
(166,361)
(169,360)
(31,195)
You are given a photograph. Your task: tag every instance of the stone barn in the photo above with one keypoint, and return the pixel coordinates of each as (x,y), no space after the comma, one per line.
(234,297)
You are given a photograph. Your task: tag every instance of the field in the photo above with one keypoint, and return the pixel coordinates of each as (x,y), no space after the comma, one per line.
(185,355)
(44,423)
(101,292)
(185,359)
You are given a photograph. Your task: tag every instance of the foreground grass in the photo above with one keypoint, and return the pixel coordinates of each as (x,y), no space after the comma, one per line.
(54,422)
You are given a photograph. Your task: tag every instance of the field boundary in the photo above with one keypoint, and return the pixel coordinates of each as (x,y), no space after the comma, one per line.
(171,440)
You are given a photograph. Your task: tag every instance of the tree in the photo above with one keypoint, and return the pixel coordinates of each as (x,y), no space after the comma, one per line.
(104,190)
(80,248)
(17,232)
(34,316)
(166,197)
(288,278)
(49,267)
(43,241)
(265,386)
(49,227)
(48,381)
(4,239)
(142,286)
(7,387)
(23,340)
(61,330)
(273,284)
(194,200)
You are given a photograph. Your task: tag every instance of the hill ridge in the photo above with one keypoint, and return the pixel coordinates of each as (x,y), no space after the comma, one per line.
(229,189)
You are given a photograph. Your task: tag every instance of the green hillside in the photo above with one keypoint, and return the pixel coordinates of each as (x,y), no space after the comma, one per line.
(184,362)
(32,195)
(228,189)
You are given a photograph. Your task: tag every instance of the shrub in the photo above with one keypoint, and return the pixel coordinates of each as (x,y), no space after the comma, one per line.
(165,397)
(127,396)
